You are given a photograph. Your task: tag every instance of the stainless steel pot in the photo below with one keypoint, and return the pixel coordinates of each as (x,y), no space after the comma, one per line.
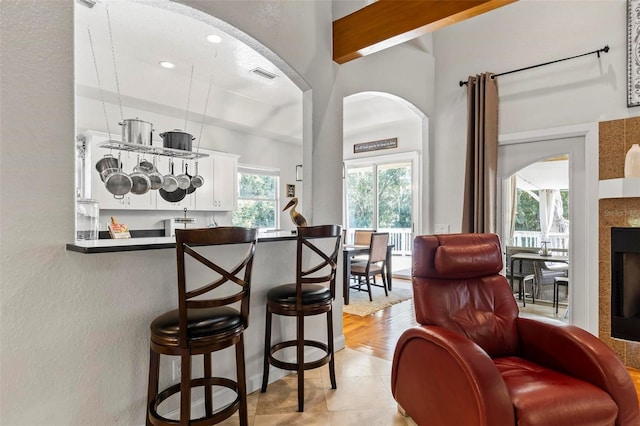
(184,180)
(106,165)
(170,183)
(156,178)
(177,139)
(118,183)
(137,131)
(140,182)
(145,166)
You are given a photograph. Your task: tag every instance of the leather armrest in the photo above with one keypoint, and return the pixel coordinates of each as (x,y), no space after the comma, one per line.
(577,353)
(441,377)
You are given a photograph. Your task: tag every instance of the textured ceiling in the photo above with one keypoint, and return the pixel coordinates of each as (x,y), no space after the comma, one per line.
(146,33)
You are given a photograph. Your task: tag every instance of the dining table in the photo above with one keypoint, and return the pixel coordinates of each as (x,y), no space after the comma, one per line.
(533,257)
(350,251)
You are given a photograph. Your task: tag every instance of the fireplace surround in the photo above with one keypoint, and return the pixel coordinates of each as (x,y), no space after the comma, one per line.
(625,283)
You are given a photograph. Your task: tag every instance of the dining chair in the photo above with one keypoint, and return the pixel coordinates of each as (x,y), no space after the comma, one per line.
(376,264)
(523,272)
(211,316)
(362,237)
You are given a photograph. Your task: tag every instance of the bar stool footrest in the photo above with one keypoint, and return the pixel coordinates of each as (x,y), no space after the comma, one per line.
(220,415)
(292,366)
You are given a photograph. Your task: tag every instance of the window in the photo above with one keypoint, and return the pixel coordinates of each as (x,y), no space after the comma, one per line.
(257,198)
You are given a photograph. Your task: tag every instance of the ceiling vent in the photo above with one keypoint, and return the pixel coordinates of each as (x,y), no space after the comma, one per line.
(263,73)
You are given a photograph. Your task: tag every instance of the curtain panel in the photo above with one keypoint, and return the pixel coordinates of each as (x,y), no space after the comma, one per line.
(480,190)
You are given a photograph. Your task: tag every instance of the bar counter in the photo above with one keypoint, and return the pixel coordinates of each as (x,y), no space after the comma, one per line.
(150,262)
(153,243)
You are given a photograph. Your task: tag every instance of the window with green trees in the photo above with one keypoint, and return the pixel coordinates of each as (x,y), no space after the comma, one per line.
(528,210)
(379,196)
(257,198)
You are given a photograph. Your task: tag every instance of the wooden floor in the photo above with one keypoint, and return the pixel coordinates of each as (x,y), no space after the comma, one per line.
(378,334)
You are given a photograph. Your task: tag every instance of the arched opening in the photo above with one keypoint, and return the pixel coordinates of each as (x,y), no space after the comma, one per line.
(384,144)
(226,89)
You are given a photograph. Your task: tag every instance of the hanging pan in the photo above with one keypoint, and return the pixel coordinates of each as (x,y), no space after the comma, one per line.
(173,197)
(118,183)
(197,181)
(190,188)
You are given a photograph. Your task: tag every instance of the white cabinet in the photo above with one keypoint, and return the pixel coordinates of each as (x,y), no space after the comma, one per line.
(219,171)
(99,191)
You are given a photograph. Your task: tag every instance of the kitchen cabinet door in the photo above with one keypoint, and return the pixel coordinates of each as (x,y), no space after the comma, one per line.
(204,194)
(225,172)
(220,176)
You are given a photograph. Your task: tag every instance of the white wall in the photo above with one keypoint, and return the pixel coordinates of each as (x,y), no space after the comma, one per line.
(74,328)
(521,34)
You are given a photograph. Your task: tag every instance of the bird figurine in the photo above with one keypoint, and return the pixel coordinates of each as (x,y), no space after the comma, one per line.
(296,217)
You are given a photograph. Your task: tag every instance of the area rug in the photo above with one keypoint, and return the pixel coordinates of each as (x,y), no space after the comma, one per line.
(360,305)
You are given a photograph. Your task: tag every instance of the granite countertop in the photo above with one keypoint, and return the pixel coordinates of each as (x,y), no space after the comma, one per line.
(153,243)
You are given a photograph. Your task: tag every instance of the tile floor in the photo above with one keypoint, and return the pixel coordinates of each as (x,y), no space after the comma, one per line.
(363,397)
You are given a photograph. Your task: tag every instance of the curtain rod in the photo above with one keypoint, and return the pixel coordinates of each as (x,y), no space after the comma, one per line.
(597,52)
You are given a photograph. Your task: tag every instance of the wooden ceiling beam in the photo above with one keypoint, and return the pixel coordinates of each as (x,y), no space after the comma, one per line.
(387,23)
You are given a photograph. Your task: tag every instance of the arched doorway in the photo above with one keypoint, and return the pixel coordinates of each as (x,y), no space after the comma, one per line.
(580,143)
(383,144)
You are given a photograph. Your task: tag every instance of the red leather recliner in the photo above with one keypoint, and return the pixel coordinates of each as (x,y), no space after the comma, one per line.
(473,361)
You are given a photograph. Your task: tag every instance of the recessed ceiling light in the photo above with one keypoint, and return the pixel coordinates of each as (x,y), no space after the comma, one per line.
(166,64)
(263,73)
(214,38)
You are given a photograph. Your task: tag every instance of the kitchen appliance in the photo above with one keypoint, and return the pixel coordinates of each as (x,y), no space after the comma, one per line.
(170,225)
(87,219)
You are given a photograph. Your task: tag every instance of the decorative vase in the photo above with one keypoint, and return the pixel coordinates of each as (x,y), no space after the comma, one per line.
(632,162)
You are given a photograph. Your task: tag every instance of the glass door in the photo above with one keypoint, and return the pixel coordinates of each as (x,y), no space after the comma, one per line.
(380,196)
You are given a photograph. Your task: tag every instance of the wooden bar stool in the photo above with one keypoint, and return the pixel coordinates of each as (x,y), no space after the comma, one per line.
(203,324)
(311,294)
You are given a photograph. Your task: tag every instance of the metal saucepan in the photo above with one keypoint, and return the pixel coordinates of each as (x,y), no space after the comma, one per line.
(106,165)
(156,178)
(145,166)
(140,181)
(177,139)
(118,183)
(190,189)
(197,181)
(170,183)
(137,131)
(184,180)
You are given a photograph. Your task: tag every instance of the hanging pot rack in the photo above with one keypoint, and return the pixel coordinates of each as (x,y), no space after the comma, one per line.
(153,150)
